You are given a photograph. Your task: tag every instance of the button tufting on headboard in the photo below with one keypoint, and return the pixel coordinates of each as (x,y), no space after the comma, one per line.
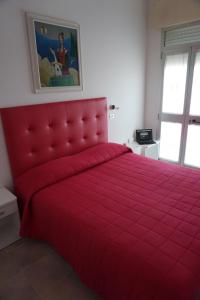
(36,134)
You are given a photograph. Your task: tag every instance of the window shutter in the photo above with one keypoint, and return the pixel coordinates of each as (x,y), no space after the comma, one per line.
(180,36)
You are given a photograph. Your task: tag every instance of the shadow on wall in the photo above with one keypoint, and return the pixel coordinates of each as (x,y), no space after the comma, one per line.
(165,13)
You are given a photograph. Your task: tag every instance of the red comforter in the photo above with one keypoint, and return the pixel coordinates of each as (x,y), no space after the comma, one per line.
(129,226)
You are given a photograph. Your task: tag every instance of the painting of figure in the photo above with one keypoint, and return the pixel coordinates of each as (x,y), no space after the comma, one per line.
(57,52)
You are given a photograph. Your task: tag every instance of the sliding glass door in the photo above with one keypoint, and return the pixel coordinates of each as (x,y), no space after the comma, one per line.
(192,148)
(180,113)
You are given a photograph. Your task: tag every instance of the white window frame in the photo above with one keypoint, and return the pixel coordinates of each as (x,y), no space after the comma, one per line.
(184,119)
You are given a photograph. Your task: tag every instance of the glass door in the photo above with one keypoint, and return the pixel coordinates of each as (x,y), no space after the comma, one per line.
(176,68)
(192,151)
(180,113)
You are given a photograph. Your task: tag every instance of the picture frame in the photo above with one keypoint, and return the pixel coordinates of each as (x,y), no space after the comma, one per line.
(55,54)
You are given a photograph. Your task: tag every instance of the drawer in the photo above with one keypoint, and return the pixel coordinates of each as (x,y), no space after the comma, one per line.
(8,209)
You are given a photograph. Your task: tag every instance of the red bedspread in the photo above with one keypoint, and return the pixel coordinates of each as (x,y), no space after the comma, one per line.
(129,226)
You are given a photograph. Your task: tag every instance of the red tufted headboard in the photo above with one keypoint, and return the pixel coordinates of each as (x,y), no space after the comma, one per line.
(36,134)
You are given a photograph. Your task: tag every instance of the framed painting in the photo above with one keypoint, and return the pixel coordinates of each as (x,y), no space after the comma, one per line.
(55,54)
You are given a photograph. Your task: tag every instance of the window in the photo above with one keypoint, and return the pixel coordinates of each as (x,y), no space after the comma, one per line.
(180,113)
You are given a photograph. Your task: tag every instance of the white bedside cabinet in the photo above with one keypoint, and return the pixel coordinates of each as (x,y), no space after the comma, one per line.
(151,150)
(9,218)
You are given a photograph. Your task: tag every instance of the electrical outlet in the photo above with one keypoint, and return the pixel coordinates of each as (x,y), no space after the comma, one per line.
(112,116)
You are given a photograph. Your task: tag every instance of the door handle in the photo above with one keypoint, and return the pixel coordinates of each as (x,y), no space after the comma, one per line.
(194,122)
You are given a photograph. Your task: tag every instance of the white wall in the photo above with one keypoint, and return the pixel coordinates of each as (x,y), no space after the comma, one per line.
(153,78)
(113,44)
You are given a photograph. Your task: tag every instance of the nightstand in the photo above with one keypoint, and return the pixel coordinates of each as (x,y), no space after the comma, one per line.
(151,150)
(9,218)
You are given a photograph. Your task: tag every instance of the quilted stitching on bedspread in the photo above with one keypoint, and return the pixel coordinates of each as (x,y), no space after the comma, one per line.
(138,226)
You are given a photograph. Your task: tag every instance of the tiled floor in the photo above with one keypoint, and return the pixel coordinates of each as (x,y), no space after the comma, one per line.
(31,270)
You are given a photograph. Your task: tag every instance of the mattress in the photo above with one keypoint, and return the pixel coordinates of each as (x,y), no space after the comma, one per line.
(128,225)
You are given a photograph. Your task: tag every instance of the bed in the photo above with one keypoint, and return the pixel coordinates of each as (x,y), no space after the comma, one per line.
(128,225)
